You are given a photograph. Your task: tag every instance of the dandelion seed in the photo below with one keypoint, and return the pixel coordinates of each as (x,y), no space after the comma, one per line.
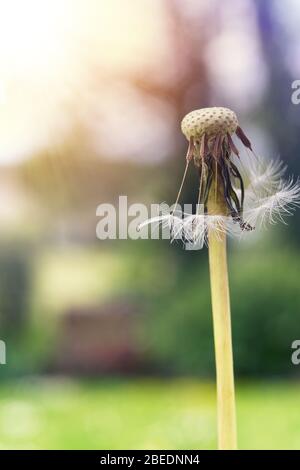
(253,197)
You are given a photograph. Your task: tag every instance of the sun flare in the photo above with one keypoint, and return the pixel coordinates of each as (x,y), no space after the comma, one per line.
(52,52)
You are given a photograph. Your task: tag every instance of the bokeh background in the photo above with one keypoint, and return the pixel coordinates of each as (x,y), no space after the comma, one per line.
(109,343)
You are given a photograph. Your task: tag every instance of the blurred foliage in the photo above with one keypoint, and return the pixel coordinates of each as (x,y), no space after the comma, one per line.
(14,289)
(171,289)
(26,337)
(142,414)
(265,315)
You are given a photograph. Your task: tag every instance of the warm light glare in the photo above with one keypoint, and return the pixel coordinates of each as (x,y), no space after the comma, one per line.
(53,51)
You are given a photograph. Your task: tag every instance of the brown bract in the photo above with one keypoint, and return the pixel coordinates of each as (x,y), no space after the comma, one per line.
(209,132)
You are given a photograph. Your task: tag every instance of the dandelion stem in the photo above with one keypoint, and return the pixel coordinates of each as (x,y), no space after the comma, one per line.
(227,438)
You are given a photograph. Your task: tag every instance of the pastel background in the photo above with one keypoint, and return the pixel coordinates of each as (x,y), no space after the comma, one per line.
(109,343)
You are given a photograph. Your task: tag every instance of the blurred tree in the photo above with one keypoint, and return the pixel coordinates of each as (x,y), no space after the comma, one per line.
(277,113)
(14,291)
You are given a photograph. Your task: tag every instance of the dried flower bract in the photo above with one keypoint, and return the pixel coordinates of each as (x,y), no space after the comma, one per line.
(233,195)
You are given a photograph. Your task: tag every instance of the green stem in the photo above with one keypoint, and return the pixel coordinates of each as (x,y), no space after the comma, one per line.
(227,438)
(227,434)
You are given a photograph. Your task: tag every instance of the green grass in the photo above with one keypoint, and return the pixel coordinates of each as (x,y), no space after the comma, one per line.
(143,414)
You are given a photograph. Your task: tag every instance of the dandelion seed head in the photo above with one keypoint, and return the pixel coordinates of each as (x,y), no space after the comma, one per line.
(232,203)
(210,121)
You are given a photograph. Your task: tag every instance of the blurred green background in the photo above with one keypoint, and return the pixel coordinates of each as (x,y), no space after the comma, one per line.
(109,343)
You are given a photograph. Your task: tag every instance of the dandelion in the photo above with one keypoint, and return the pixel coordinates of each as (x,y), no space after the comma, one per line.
(233,199)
